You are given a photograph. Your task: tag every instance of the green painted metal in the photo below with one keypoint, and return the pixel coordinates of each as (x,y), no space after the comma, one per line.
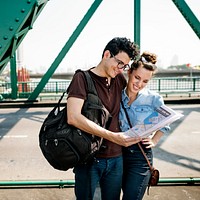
(188,15)
(65,49)
(71,183)
(60,183)
(13,75)
(189,180)
(166,86)
(137,11)
(16,19)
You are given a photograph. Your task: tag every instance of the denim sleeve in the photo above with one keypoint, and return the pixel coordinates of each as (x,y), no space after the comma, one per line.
(165,129)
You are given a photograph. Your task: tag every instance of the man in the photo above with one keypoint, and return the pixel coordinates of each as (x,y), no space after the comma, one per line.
(107,167)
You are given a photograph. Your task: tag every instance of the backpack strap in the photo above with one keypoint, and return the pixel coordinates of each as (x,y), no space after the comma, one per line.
(90,83)
(91,89)
(90,86)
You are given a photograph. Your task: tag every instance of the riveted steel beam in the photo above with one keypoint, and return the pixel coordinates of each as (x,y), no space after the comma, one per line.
(16,19)
(188,15)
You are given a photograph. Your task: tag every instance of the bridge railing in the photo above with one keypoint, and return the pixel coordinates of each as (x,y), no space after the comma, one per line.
(178,83)
(167,86)
(164,86)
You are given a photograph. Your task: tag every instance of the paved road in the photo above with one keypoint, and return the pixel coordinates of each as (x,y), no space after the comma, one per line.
(177,155)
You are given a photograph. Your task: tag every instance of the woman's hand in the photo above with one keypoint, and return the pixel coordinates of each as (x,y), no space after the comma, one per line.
(148,142)
(152,142)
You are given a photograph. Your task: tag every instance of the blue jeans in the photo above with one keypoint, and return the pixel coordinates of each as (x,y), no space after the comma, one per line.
(107,172)
(136,172)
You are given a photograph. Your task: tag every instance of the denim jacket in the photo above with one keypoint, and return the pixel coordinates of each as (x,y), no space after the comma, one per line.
(140,108)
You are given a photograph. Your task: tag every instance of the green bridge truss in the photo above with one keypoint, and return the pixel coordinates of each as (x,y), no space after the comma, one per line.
(17,18)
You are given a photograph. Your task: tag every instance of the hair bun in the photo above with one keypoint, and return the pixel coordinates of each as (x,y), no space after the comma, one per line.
(149,57)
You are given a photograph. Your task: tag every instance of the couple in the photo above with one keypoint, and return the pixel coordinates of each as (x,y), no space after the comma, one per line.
(109,169)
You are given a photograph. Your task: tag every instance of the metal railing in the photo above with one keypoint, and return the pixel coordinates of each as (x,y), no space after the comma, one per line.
(163,86)
(175,84)
(70,183)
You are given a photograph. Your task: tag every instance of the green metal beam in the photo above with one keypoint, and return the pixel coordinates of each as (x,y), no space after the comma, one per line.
(137,11)
(188,15)
(64,50)
(13,75)
(60,183)
(71,183)
(177,180)
(16,19)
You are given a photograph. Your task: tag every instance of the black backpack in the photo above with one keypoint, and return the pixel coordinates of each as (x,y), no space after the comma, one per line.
(65,146)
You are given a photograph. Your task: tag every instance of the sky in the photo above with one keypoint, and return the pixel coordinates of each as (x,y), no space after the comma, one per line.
(164,31)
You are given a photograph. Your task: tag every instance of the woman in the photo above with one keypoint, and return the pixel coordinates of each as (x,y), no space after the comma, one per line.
(138,102)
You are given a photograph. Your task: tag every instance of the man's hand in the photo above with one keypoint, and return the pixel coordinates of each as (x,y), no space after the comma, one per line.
(123,140)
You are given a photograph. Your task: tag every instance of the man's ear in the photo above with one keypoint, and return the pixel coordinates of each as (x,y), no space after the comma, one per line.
(107,54)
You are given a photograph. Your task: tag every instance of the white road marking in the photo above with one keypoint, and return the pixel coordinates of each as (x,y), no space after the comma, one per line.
(14,136)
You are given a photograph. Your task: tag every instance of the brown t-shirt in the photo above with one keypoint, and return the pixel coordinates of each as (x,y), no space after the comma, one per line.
(110,96)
